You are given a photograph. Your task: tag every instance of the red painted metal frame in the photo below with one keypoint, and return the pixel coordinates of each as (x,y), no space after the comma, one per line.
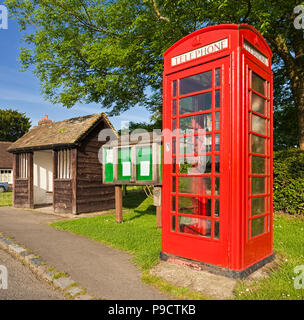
(234,249)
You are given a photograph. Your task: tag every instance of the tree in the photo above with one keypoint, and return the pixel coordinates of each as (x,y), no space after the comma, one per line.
(110,51)
(13,125)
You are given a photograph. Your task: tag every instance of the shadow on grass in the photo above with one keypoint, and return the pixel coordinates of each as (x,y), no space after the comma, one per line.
(139,213)
(133,199)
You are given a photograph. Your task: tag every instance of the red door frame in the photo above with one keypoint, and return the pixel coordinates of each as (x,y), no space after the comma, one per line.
(209,250)
(260,246)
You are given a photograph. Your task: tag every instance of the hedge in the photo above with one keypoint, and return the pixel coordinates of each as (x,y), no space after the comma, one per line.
(288,181)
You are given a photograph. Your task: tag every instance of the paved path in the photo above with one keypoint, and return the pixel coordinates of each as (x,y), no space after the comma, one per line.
(105,272)
(22,283)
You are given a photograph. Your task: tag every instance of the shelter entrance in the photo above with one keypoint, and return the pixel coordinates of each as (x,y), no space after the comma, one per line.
(199,171)
(43,177)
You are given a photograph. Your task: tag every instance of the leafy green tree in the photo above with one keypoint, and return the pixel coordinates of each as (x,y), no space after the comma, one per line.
(110,51)
(285,132)
(13,125)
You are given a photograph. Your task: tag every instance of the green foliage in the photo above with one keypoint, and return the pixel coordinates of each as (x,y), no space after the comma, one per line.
(285,129)
(288,181)
(111,51)
(13,125)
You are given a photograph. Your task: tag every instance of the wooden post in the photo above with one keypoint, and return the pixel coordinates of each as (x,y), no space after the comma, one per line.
(74,181)
(118,203)
(15,164)
(159,217)
(30,177)
(55,175)
(158,204)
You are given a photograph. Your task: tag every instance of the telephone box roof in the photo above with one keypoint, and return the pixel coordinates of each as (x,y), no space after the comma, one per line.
(220,27)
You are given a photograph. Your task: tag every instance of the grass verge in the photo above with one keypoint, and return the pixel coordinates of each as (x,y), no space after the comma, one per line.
(5,199)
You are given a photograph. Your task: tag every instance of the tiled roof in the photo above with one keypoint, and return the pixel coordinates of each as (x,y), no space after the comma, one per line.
(67,132)
(6,159)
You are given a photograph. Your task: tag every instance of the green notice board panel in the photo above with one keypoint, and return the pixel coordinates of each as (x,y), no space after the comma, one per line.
(133,164)
(108,163)
(144,163)
(124,164)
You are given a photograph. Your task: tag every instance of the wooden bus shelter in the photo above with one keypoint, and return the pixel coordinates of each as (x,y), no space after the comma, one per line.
(56,164)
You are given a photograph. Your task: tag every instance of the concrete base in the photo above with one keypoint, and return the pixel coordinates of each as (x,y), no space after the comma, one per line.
(202,266)
(211,286)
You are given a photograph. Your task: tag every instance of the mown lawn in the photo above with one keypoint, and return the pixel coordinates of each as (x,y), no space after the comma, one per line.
(289,248)
(5,199)
(138,235)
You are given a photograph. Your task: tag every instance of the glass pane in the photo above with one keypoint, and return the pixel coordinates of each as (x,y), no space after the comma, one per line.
(217,186)
(174,184)
(173,223)
(258,104)
(188,205)
(216,229)
(173,204)
(258,165)
(208,147)
(195,226)
(258,144)
(195,206)
(174,108)
(195,165)
(217,98)
(195,83)
(257,206)
(200,102)
(258,185)
(200,143)
(174,89)
(249,121)
(173,165)
(258,124)
(217,164)
(217,121)
(173,146)
(186,145)
(174,126)
(258,84)
(257,226)
(217,142)
(217,77)
(217,208)
(189,125)
(195,185)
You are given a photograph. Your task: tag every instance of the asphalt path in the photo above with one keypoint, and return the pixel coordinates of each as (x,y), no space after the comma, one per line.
(22,284)
(104,272)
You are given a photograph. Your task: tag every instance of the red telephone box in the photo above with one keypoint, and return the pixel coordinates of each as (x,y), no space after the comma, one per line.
(217,172)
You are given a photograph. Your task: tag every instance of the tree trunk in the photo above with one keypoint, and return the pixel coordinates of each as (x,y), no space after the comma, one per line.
(298,93)
(301,123)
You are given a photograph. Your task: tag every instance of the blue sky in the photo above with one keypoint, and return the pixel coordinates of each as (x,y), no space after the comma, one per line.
(21,90)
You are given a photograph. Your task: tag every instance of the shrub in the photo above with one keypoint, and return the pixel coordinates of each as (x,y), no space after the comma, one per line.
(288,181)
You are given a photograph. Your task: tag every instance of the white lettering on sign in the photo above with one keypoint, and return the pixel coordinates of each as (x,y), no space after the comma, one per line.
(200,52)
(250,48)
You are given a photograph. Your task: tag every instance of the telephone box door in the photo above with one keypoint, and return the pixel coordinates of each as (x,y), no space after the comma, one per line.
(195,207)
(258,233)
